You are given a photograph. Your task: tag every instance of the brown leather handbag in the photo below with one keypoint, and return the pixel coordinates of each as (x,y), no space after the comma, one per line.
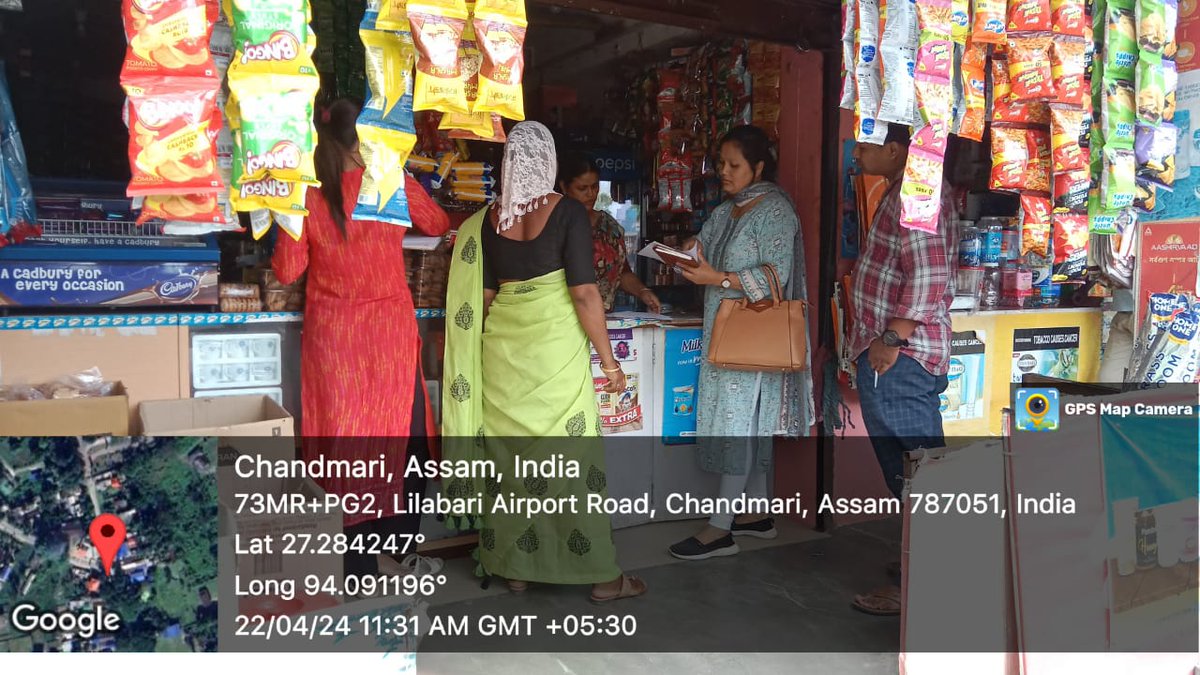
(768,335)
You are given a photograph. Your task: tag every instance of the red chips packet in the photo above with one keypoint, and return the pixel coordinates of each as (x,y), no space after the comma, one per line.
(1029,16)
(1036,216)
(167,37)
(1029,68)
(171,149)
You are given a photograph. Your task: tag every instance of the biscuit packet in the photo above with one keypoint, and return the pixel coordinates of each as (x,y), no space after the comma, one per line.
(500,31)
(167,37)
(437,27)
(172,127)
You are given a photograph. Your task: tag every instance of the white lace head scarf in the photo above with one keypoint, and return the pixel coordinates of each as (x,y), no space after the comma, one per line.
(528,174)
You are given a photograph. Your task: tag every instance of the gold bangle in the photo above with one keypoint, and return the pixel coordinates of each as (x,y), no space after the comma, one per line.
(611,370)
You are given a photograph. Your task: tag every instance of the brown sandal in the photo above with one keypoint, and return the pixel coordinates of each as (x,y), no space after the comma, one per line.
(879,602)
(631,587)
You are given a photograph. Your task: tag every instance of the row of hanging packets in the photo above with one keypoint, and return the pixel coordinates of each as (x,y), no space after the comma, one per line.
(386,130)
(921,190)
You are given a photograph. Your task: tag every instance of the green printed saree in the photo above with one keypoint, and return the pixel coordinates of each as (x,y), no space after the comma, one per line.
(521,385)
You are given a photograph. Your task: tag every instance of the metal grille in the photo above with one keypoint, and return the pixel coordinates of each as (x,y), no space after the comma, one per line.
(100,228)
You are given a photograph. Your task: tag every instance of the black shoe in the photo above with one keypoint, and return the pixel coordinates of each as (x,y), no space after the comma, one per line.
(760,529)
(692,549)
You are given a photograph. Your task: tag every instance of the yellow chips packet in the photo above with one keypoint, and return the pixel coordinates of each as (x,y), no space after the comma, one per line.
(500,31)
(393,15)
(381,197)
(437,28)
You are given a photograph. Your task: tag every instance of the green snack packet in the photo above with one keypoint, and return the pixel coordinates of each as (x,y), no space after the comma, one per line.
(1117,114)
(1101,220)
(1118,182)
(1120,43)
(1152,32)
(277,132)
(1151,90)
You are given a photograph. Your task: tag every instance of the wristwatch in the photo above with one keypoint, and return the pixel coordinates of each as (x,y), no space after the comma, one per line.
(726,282)
(891,338)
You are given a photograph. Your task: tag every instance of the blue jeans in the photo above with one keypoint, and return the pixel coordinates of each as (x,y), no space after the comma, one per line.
(901,413)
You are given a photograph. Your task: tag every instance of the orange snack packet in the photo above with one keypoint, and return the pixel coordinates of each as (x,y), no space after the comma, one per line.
(167,37)
(171,148)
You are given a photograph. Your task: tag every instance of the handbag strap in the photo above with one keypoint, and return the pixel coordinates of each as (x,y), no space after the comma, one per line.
(773,281)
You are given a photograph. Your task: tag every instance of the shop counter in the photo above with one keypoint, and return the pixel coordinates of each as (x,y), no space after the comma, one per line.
(993,349)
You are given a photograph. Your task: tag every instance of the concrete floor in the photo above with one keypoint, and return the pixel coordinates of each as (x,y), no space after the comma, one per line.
(729,615)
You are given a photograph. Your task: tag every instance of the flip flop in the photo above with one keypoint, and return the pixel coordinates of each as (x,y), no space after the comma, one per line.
(629,589)
(879,602)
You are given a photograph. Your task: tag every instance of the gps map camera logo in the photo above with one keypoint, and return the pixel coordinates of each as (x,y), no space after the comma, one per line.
(1037,409)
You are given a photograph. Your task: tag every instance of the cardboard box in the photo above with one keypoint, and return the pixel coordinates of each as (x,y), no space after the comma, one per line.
(94,416)
(221,416)
(253,425)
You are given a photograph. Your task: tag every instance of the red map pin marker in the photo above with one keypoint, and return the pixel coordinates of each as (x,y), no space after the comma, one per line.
(108,534)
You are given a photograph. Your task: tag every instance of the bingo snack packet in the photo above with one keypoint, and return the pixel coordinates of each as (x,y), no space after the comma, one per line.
(1029,68)
(1069,17)
(1036,212)
(167,37)
(1029,16)
(382,196)
(277,134)
(500,31)
(272,38)
(437,27)
(974,83)
(988,22)
(171,128)
(1070,247)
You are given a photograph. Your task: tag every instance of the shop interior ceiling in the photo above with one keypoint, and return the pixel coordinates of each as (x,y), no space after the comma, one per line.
(807,24)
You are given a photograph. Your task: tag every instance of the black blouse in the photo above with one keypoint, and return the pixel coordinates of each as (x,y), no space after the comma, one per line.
(564,244)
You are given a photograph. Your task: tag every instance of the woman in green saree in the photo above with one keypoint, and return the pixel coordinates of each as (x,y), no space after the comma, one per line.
(523,306)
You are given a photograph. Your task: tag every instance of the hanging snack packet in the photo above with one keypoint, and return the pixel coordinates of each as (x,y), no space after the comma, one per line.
(1029,68)
(1066,128)
(1020,159)
(1170,86)
(381,197)
(1172,21)
(1145,196)
(1154,151)
(389,66)
(437,27)
(500,31)
(1070,248)
(1151,90)
(1025,16)
(1120,44)
(974,78)
(898,50)
(270,194)
(204,208)
(277,129)
(1101,220)
(1035,224)
(1004,109)
(1152,35)
(849,25)
(960,21)
(171,151)
(921,191)
(1069,17)
(935,67)
(867,77)
(272,38)
(1119,177)
(1174,355)
(988,24)
(167,37)
(393,16)
(1068,66)
(1071,191)
(1117,113)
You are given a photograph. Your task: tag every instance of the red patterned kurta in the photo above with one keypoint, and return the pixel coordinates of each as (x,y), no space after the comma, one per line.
(360,346)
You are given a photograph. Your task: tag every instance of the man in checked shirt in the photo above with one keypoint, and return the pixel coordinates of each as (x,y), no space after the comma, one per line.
(901,291)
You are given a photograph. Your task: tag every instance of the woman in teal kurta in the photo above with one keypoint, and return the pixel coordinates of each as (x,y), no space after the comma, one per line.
(740,412)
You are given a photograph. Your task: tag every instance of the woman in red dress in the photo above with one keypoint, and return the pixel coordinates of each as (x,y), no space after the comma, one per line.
(360,354)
